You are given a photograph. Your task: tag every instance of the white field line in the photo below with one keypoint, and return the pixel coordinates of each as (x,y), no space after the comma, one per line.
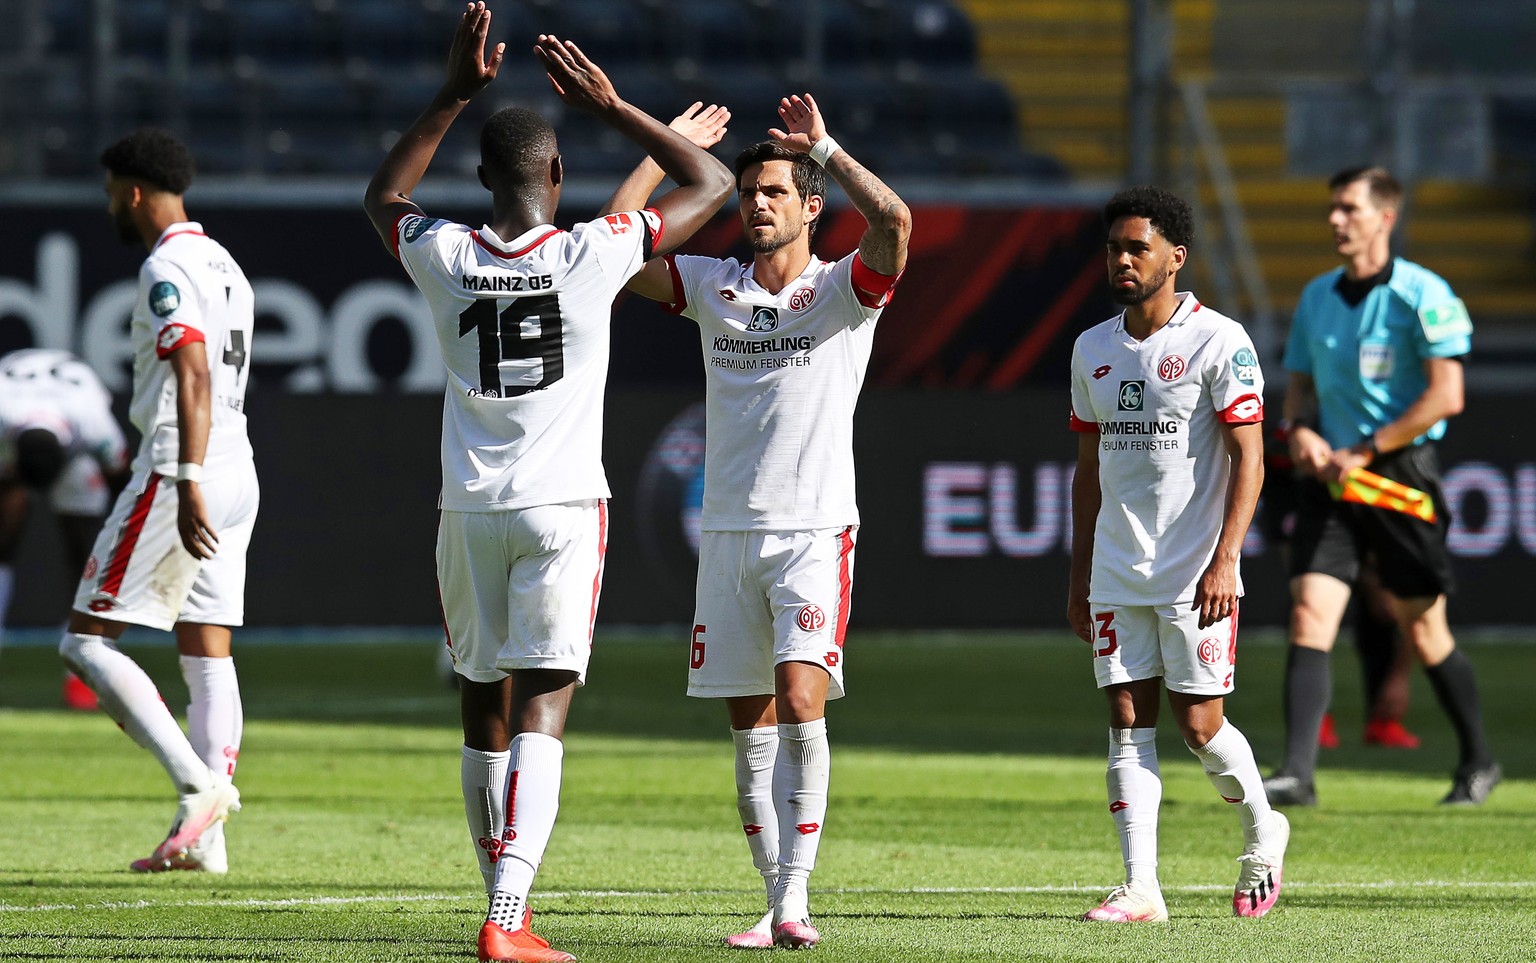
(1407,885)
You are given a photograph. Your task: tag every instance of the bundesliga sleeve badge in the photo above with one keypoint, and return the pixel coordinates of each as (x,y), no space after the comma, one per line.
(164,298)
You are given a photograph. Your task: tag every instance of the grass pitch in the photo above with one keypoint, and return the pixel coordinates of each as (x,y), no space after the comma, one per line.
(967,820)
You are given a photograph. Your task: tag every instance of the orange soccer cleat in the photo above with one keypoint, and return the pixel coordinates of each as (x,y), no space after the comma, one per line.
(521,945)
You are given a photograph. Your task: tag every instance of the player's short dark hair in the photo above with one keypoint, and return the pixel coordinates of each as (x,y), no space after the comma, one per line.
(1168,213)
(1384,188)
(516,146)
(152,155)
(39,458)
(809,179)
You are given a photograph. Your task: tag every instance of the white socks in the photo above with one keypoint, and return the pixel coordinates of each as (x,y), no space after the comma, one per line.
(533,798)
(756,753)
(1229,765)
(801,774)
(130,698)
(215,718)
(1135,792)
(483,778)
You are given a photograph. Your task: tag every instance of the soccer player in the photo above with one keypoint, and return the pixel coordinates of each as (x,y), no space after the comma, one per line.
(172,552)
(1167,400)
(58,438)
(1374,356)
(786,342)
(522,311)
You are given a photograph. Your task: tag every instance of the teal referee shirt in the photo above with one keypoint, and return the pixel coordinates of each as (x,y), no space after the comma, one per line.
(1367,358)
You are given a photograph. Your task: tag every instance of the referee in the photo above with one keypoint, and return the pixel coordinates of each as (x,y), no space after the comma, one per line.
(1374,356)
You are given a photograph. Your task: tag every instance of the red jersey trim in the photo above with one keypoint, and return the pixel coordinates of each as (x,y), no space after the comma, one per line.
(394,233)
(844,583)
(178,234)
(654,236)
(679,302)
(1247,410)
(174,336)
(1079,425)
(518,253)
(872,288)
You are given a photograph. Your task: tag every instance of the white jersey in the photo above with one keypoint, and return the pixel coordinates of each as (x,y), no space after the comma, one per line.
(524,330)
(56,391)
(1157,406)
(783,373)
(191,290)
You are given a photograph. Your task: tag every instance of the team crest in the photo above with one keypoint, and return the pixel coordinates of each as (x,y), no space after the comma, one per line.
(1170,368)
(164,298)
(764,319)
(1210,651)
(802,299)
(811,618)
(1133,395)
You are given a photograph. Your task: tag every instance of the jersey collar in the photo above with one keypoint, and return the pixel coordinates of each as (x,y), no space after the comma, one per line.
(1188,305)
(749,275)
(180,227)
(518,246)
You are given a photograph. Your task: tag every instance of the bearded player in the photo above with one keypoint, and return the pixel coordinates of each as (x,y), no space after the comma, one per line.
(1167,401)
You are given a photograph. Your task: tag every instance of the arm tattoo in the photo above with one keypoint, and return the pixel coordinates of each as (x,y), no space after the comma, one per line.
(884,244)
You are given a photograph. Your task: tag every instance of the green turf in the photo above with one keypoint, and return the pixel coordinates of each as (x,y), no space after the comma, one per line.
(967,820)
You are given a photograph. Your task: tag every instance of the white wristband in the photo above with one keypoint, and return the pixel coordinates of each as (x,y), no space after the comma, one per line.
(189,471)
(823,149)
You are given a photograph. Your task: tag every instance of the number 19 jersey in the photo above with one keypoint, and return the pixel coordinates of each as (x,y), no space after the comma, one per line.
(524,331)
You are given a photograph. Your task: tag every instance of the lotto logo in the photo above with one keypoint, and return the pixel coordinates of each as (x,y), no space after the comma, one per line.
(1170,368)
(1101,371)
(811,618)
(831,659)
(1119,805)
(805,829)
(101,605)
(751,829)
(619,223)
(170,336)
(802,299)
(1210,651)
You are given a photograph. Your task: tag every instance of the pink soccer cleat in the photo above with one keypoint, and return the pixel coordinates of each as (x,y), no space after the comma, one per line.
(195,813)
(759,937)
(1258,882)
(1131,903)
(796,935)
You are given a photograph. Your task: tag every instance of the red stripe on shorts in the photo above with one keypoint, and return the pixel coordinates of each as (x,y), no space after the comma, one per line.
(844,582)
(602,553)
(117,567)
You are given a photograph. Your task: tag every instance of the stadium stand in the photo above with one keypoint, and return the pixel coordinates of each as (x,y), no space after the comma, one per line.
(303,86)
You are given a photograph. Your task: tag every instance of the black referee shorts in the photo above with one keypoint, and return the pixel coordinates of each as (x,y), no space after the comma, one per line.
(1332,538)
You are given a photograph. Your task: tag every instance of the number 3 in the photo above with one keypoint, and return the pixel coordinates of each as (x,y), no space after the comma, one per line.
(1106,633)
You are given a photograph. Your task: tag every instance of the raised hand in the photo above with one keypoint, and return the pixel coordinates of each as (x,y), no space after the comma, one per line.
(576,79)
(468,70)
(703,126)
(803,125)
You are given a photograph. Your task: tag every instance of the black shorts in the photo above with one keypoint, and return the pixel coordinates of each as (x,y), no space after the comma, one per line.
(1334,538)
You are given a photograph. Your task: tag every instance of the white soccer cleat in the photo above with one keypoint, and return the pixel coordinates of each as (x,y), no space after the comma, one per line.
(795,935)
(1258,882)
(195,813)
(759,937)
(1131,903)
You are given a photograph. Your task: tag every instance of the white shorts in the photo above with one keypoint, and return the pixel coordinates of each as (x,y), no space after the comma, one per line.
(519,588)
(80,489)
(766,598)
(139,572)
(1135,642)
